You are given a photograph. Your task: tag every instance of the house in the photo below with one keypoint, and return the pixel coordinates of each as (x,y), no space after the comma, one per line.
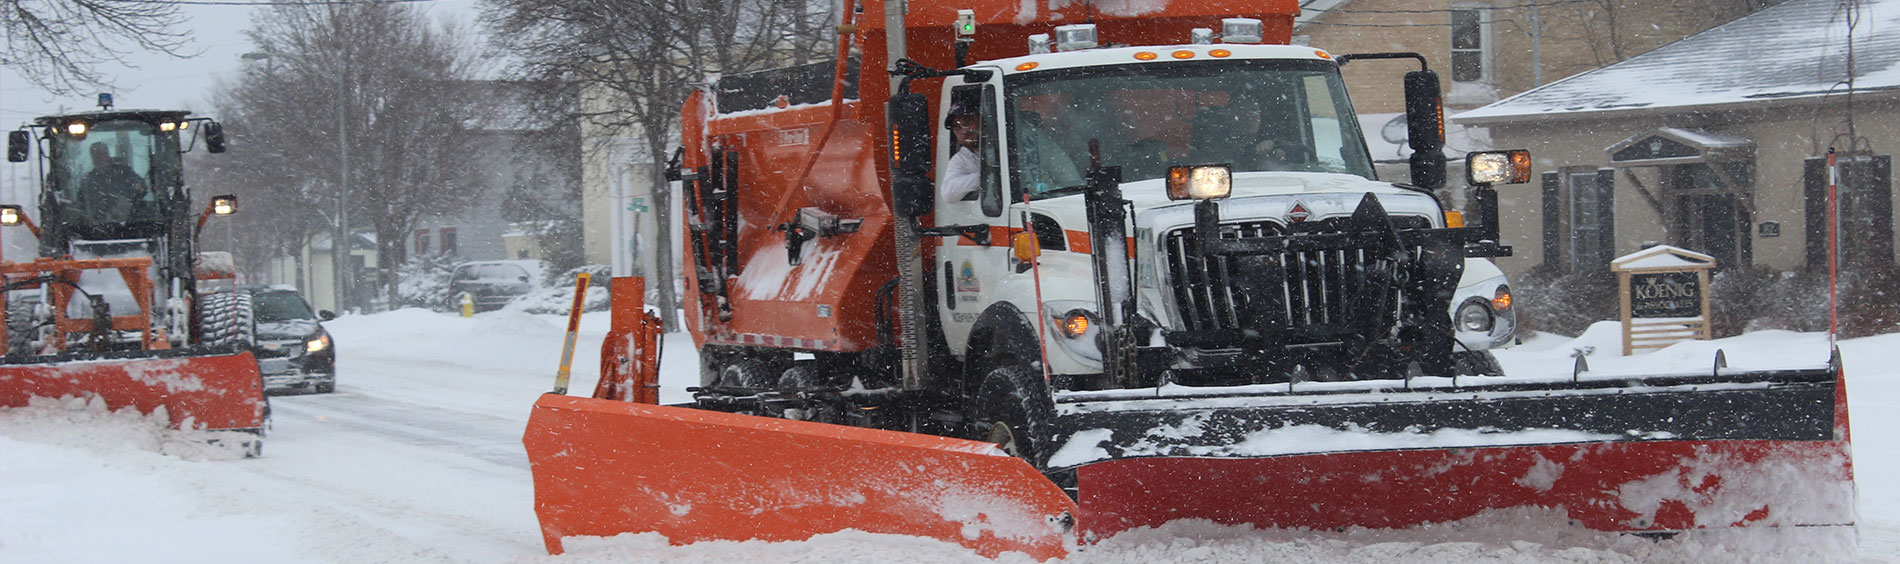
(1716,143)
(532,193)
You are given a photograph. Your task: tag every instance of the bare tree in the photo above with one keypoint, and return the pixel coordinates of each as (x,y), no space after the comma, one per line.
(402,89)
(634,61)
(60,44)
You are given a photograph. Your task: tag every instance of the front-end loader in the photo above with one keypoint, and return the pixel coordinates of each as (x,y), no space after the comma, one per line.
(1173,289)
(118,303)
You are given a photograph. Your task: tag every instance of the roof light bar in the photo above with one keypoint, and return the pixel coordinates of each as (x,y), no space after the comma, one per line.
(1240,30)
(1039,44)
(1075,37)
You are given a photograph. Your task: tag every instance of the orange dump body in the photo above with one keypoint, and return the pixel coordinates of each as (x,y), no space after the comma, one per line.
(831,157)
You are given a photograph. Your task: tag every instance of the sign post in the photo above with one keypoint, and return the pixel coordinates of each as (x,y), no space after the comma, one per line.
(1664,295)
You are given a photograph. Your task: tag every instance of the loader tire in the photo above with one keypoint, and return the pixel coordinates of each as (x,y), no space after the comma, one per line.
(1013,402)
(224,320)
(20,327)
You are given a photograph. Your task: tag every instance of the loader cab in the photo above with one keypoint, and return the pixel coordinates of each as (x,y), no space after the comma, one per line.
(111,175)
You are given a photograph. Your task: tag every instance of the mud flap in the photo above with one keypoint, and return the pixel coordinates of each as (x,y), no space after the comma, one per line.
(214,392)
(602,468)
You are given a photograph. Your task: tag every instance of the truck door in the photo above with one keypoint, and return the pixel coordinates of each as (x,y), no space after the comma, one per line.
(967,268)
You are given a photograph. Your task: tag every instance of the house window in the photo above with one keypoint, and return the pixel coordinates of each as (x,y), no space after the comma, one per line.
(1579,219)
(448,241)
(422,241)
(1468,27)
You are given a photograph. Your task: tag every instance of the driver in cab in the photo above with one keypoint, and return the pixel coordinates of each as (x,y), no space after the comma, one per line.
(109,190)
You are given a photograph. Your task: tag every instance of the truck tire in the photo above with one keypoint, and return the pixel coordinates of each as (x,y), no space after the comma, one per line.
(224,320)
(1012,401)
(1477,363)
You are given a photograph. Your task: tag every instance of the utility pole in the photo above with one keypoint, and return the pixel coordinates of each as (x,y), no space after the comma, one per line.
(340,246)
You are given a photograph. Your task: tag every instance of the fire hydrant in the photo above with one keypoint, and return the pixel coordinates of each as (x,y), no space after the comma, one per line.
(468,305)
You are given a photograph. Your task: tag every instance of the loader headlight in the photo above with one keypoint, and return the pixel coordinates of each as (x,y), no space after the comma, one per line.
(1474,316)
(10,215)
(1206,182)
(317,344)
(76,129)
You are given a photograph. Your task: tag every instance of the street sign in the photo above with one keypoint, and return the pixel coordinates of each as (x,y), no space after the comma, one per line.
(638,205)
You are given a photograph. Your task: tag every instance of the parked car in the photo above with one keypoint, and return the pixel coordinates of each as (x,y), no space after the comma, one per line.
(1481,313)
(293,350)
(493,283)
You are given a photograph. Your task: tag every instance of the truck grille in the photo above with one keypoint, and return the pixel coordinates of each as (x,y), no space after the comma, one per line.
(1314,303)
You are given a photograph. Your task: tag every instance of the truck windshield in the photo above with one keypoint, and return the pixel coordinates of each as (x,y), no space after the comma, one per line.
(1251,115)
(106,178)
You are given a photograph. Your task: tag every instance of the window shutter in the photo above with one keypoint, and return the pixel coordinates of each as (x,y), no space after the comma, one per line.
(1553,219)
(1814,216)
(1606,211)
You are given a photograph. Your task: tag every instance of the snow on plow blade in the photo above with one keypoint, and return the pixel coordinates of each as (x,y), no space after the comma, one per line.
(1650,454)
(210,392)
(604,467)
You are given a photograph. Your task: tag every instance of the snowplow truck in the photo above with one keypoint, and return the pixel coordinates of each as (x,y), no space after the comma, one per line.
(1174,289)
(118,303)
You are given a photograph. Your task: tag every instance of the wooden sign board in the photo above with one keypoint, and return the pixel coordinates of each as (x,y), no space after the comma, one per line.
(1664,295)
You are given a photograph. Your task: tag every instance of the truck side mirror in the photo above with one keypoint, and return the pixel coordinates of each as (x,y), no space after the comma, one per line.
(912,194)
(214,137)
(1425,127)
(17,144)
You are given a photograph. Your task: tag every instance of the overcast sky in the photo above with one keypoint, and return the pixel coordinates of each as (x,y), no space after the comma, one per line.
(156,81)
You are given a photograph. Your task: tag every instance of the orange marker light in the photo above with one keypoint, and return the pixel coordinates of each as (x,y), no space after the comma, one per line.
(1183,54)
(1219,53)
(1146,56)
(1028,66)
(1323,54)
(1075,324)
(1502,301)
(1454,219)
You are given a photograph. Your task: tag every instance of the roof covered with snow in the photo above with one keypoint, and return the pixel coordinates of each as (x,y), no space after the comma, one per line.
(1798,49)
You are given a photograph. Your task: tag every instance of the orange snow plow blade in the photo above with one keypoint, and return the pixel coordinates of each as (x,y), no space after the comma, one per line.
(218,392)
(602,468)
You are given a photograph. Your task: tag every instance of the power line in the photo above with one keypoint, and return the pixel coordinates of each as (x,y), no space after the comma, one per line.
(1448,10)
(267,3)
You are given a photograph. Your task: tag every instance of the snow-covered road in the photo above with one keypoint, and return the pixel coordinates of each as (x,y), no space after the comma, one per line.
(417,458)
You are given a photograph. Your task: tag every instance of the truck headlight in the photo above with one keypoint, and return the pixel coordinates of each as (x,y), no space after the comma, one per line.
(1474,316)
(1203,182)
(317,344)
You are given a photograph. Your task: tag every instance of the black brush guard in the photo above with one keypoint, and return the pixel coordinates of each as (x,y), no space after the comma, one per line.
(1355,298)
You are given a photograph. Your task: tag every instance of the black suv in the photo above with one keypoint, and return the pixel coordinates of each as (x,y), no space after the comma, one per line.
(294,352)
(493,283)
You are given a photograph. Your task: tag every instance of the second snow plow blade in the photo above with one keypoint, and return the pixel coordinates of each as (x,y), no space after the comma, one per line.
(604,467)
(210,392)
(1655,454)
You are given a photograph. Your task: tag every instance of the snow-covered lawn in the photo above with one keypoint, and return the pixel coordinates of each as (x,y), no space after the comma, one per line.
(417,458)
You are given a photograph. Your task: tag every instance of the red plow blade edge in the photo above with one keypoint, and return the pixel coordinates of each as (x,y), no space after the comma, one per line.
(219,392)
(603,468)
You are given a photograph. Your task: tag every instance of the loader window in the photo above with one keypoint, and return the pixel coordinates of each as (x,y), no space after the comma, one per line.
(1254,115)
(109,183)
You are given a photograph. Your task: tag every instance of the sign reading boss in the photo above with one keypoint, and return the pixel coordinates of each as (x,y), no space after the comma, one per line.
(1665,294)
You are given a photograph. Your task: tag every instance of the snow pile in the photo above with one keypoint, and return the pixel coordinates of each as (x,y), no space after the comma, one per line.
(88,424)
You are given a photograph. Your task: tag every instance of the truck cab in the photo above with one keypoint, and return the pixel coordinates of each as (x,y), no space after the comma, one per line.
(1275,117)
